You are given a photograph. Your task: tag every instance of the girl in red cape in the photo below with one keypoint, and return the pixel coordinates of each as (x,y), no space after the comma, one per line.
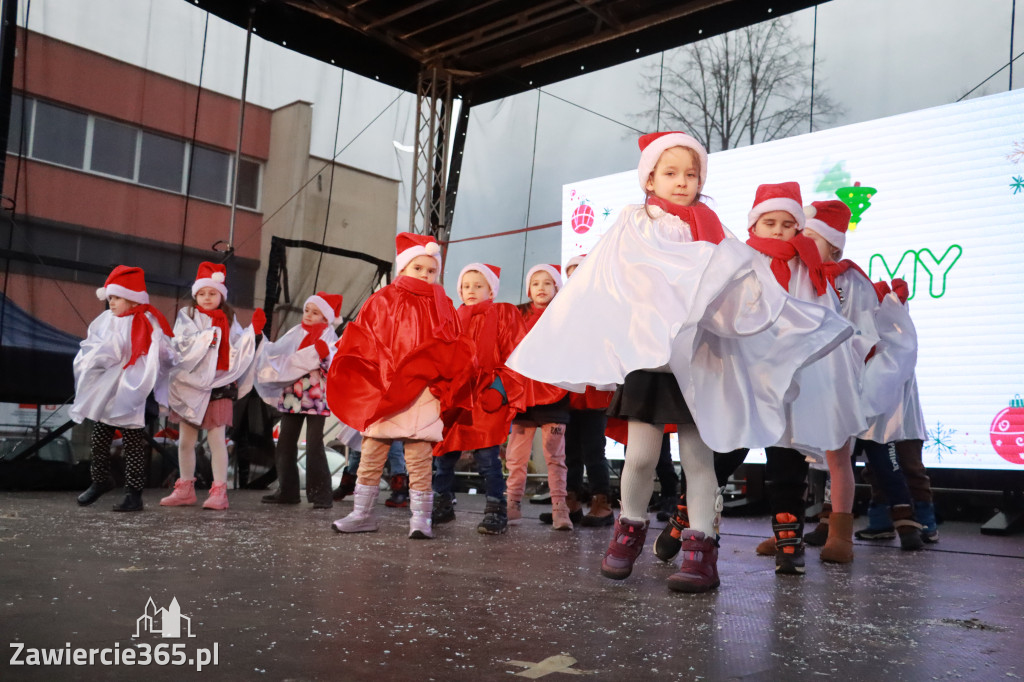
(498,392)
(548,410)
(402,368)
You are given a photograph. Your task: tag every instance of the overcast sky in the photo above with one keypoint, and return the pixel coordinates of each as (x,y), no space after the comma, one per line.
(876,58)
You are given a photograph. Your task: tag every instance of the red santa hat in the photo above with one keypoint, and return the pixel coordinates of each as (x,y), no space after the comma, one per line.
(492,273)
(575,260)
(830,219)
(211,275)
(554,270)
(409,245)
(329,305)
(653,144)
(782,196)
(127,282)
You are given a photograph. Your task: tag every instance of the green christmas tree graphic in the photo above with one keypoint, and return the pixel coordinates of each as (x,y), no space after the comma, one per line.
(857,198)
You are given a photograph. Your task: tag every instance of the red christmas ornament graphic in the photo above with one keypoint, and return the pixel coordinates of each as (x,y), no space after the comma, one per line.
(582,218)
(1008,431)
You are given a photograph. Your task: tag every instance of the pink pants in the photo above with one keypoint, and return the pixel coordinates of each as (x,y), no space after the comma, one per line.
(517,457)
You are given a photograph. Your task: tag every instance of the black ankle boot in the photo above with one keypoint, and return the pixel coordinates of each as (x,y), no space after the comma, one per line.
(132,501)
(95,491)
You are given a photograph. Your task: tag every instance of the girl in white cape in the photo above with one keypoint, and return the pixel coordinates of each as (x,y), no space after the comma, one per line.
(122,360)
(690,323)
(291,377)
(212,367)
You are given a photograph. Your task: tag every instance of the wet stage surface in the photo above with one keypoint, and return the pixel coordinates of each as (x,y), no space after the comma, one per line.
(281,596)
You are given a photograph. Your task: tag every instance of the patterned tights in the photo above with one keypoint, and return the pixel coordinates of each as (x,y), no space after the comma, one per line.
(134,455)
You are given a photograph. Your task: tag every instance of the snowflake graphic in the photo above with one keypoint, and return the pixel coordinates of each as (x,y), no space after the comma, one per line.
(606,212)
(1017,155)
(940,441)
(1018,184)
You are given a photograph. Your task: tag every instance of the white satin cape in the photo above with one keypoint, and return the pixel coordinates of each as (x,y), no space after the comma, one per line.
(104,392)
(279,364)
(829,409)
(649,297)
(194,372)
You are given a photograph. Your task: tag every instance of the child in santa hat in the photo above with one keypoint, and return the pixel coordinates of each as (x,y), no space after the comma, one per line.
(691,326)
(123,358)
(548,410)
(213,365)
(584,447)
(828,411)
(887,339)
(499,393)
(401,366)
(291,377)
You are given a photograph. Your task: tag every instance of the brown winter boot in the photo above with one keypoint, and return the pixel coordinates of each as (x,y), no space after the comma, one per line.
(838,548)
(767,547)
(600,513)
(818,536)
(909,530)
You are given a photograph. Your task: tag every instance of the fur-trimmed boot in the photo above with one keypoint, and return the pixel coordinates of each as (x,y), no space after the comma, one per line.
(789,543)
(818,536)
(838,548)
(422,505)
(908,529)
(699,571)
(669,541)
(362,518)
(625,547)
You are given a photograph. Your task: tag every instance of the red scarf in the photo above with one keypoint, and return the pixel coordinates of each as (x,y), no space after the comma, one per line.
(447,328)
(833,270)
(488,332)
(704,223)
(220,320)
(313,333)
(782,252)
(142,330)
(531,316)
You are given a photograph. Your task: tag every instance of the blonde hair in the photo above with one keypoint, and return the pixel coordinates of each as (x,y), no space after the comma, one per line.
(694,156)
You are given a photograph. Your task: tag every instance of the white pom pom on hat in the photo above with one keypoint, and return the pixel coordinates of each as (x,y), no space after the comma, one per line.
(409,246)
(211,275)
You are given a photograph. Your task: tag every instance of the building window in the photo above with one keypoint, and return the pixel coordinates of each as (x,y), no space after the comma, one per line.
(248,194)
(113,149)
(210,174)
(161,162)
(64,136)
(59,135)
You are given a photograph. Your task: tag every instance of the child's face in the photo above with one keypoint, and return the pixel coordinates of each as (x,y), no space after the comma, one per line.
(120,306)
(569,270)
(311,316)
(776,225)
(676,177)
(421,267)
(475,288)
(208,298)
(542,288)
(827,252)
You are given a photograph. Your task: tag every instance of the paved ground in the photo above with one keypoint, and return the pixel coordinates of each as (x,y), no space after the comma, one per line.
(281,597)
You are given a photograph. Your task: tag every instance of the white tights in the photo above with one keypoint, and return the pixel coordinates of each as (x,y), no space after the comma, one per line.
(187,437)
(698,464)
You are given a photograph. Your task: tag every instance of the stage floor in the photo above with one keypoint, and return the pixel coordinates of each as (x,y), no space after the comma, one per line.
(279,595)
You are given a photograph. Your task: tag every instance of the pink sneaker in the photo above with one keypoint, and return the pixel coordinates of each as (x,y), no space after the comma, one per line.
(218,498)
(184,494)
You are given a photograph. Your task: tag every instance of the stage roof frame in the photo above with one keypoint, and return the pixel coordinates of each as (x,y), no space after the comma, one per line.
(492,48)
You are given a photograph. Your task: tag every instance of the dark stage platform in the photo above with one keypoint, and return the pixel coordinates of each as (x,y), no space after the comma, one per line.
(277,595)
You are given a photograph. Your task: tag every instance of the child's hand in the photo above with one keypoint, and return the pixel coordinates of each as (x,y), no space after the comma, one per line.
(259,319)
(321,348)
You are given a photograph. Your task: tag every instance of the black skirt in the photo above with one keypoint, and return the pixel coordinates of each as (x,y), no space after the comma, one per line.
(650,397)
(554,413)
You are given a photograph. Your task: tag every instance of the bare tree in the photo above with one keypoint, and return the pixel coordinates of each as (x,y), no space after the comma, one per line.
(747,86)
